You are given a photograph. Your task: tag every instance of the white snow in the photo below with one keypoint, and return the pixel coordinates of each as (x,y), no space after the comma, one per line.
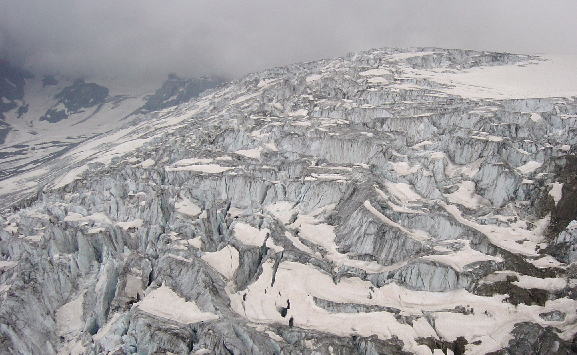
(202,168)
(11,228)
(553,76)
(422,144)
(417,235)
(244,98)
(187,208)
(550,284)
(165,303)
(34,238)
(191,161)
(529,167)
(299,112)
(546,262)
(69,318)
(375,72)
(70,176)
(250,153)
(266,83)
(133,286)
(282,210)
(403,168)
(536,117)
(313,77)
(298,244)
(98,217)
(196,242)
(250,235)
(407,55)
(7,264)
(402,191)
(513,238)
(460,259)
(298,283)
(466,196)
(394,206)
(378,80)
(225,261)
(95,230)
(104,331)
(271,146)
(310,227)
(487,137)
(147,163)
(302,123)
(272,245)
(329,176)
(556,191)
(491,321)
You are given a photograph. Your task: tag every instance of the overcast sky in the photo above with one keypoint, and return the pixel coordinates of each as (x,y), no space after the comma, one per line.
(150,38)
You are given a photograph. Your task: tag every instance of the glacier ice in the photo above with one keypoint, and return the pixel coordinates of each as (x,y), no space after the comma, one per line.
(352,205)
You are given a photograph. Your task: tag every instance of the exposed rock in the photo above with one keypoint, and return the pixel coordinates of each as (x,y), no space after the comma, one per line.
(72,99)
(531,338)
(553,316)
(176,91)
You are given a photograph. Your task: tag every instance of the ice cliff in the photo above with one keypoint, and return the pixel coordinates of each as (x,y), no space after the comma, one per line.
(390,201)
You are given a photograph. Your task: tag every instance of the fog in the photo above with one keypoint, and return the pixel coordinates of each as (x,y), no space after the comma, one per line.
(149,39)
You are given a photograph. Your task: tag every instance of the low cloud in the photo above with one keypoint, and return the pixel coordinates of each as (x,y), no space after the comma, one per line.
(151,38)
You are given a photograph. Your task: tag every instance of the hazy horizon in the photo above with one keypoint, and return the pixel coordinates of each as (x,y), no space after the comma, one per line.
(148,39)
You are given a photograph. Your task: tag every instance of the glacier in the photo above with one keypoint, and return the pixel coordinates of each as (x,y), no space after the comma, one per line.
(390,201)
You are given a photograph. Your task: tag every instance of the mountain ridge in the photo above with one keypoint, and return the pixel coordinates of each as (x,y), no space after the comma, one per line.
(44,116)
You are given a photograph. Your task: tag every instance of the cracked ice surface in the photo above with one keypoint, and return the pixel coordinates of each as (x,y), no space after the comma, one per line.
(387,201)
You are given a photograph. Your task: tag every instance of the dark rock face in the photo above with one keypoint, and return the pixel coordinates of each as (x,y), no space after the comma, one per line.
(554,316)
(531,338)
(457,346)
(82,95)
(176,90)
(74,98)
(49,80)
(515,294)
(566,209)
(12,81)
(54,116)
(563,229)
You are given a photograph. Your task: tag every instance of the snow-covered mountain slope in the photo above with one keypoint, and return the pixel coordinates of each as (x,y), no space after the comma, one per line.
(366,204)
(42,117)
